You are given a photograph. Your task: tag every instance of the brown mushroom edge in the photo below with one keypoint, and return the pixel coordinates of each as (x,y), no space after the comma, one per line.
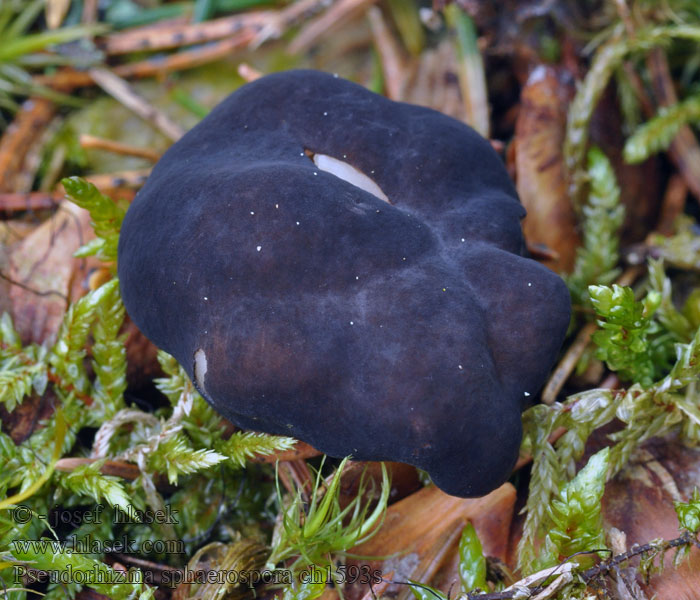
(389,315)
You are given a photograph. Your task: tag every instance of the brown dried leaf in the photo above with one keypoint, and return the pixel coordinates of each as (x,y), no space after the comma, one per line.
(541,178)
(45,277)
(639,502)
(420,535)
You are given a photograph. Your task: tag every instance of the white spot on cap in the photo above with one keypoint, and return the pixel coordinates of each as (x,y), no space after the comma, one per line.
(277,205)
(460,367)
(529,284)
(258,248)
(325,114)
(352,322)
(206,297)
(347,172)
(251,212)
(463,240)
(526,394)
(200,369)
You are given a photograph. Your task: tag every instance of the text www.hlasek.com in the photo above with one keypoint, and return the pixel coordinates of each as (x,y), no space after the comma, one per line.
(76,545)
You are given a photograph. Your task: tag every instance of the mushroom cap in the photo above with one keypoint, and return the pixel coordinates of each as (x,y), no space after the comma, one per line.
(302,304)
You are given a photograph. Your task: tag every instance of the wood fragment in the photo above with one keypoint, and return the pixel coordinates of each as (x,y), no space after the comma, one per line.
(118,88)
(27,127)
(393,63)
(91,141)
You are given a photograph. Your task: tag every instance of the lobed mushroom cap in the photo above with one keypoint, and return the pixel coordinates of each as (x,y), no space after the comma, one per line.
(302,304)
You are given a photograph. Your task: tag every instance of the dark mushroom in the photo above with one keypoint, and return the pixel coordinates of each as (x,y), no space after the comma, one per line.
(390,318)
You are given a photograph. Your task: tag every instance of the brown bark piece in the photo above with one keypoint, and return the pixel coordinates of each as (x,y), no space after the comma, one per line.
(540,172)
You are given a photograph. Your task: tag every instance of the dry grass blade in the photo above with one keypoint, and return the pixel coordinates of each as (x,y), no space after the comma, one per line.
(91,141)
(330,20)
(393,64)
(470,71)
(122,91)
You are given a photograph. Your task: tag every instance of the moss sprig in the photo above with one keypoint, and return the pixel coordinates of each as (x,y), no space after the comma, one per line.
(669,405)
(658,132)
(106,214)
(598,256)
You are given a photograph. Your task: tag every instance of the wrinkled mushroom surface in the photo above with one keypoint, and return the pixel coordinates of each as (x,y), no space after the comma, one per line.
(303,304)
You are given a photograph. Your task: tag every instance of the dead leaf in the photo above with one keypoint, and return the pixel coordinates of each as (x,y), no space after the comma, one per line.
(44,275)
(420,535)
(540,171)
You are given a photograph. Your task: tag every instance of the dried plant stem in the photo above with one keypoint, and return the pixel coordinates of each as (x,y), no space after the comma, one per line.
(123,92)
(339,13)
(164,36)
(472,78)
(91,141)
(393,66)
(568,363)
(18,202)
(120,180)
